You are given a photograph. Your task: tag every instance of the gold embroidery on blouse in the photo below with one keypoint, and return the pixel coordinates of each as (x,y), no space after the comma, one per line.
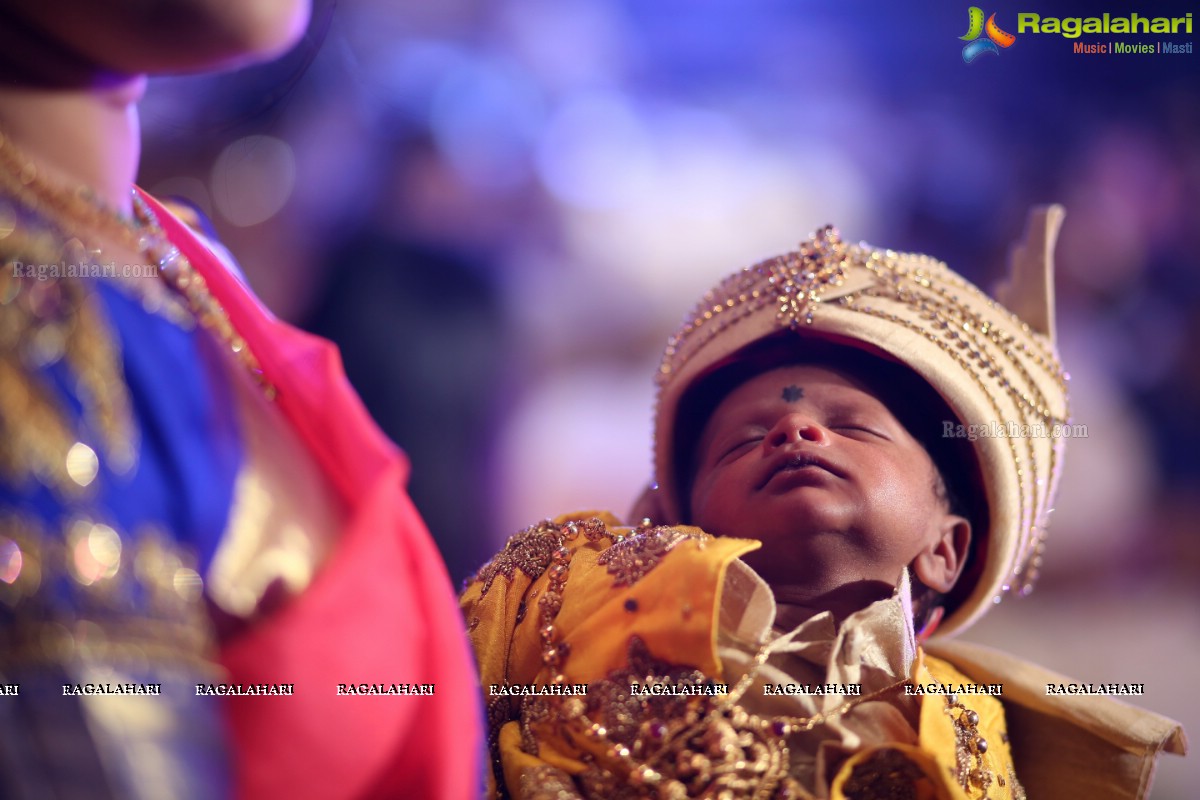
(631,560)
(528,551)
(532,549)
(133,597)
(547,783)
(43,322)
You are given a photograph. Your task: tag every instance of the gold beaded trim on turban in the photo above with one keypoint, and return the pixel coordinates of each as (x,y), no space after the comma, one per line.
(988,364)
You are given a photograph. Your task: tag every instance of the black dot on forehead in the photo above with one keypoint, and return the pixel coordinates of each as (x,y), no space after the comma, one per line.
(792,393)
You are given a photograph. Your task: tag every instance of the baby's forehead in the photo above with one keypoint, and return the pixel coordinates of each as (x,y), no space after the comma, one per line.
(799,384)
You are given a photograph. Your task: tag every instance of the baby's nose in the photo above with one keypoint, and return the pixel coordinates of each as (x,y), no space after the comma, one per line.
(796,427)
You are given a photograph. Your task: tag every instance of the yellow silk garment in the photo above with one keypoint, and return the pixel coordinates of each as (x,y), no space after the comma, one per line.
(583,602)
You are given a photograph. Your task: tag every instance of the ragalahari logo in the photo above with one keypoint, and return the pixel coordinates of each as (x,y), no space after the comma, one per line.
(976,46)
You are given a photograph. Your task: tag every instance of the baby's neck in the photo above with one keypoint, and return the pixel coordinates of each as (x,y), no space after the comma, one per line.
(795,604)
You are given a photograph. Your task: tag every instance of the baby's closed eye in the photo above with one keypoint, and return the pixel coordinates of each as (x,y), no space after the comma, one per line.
(740,446)
(859,427)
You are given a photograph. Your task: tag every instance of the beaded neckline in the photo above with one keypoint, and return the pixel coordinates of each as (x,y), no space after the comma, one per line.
(80,213)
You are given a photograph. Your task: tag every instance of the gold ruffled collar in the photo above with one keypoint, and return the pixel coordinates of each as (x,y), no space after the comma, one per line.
(818,666)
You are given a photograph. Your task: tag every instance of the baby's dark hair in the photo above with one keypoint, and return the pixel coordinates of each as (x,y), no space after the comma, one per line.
(914,403)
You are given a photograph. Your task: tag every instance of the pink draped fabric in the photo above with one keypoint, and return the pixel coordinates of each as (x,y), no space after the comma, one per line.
(381,609)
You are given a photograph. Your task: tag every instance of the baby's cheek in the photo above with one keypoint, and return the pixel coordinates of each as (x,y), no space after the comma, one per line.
(715,509)
(902,507)
(700,512)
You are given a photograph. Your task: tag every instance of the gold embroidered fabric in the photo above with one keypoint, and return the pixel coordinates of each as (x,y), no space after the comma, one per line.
(872,650)
(133,595)
(284,513)
(631,560)
(693,617)
(43,322)
(1111,746)
(135,598)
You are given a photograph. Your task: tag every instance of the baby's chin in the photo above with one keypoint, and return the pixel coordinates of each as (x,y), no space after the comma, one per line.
(801,515)
(805,564)
(817,559)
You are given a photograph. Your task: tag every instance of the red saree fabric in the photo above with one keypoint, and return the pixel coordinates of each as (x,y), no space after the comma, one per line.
(380,610)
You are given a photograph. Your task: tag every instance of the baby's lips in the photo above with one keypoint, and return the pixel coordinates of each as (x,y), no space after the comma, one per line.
(796,460)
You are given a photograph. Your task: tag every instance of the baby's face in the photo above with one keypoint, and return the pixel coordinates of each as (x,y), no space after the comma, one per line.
(808,461)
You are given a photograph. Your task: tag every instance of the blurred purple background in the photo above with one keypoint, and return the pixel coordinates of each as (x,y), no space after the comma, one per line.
(501,210)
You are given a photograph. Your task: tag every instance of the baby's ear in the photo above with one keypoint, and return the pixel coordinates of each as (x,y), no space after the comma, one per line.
(649,506)
(941,562)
